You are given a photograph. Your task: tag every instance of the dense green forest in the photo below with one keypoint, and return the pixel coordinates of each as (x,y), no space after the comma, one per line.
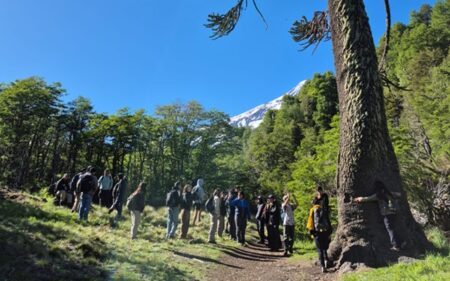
(295,148)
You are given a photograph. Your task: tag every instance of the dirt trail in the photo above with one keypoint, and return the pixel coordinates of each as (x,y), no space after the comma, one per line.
(256,262)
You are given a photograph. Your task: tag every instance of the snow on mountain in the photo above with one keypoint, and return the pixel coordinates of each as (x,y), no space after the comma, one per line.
(253,117)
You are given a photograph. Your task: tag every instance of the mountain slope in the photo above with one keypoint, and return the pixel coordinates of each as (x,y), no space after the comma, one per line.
(253,117)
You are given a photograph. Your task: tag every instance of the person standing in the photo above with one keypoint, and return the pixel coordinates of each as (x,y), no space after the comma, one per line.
(223,213)
(260,220)
(288,223)
(118,193)
(86,187)
(173,202)
(186,204)
(199,196)
(73,190)
(387,206)
(136,205)
(230,213)
(62,189)
(273,223)
(105,184)
(241,215)
(319,226)
(213,207)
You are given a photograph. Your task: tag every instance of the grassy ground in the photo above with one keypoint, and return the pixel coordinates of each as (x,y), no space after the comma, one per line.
(435,266)
(41,241)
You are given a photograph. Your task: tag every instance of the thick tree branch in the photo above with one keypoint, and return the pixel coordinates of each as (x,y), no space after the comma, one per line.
(388,34)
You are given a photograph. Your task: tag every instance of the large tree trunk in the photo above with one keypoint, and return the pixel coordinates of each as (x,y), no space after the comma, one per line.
(366,153)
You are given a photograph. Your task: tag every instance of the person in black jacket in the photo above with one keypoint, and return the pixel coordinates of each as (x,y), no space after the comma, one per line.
(186,204)
(273,222)
(119,191)
(260,221)
(136,205)
(322,200)
(232,194)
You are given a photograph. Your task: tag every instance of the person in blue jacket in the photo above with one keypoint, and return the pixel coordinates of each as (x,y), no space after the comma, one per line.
(241,215)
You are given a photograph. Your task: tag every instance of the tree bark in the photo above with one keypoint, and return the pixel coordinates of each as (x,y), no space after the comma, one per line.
(366,153)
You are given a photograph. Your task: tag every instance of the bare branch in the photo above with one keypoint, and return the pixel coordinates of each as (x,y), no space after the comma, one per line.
(311,32)
(388,34)
(222,25)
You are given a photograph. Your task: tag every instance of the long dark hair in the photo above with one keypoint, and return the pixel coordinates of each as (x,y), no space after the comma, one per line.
(382,192)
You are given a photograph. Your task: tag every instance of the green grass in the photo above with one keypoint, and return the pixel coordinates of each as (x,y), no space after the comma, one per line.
(434,267)
(40,241)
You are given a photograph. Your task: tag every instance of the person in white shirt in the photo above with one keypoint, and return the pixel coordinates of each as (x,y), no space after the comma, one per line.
(288,223)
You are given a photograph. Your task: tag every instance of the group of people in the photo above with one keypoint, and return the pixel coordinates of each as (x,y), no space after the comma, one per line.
(228,212)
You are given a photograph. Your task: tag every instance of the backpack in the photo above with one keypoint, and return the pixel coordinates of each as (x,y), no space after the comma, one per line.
(172,199)
(130,203)
(209,205)
(87,183)
(73,182)
(51,190)
(320,220)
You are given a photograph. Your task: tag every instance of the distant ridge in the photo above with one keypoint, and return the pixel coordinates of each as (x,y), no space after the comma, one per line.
(253,117)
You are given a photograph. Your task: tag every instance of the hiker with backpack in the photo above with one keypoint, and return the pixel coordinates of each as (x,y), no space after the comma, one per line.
(222,215)
(118,193)
(212,206)
(105,184)
(319,226)
(136,204)
(288,223)
(232,194)
(198,193)
(73,190)
(62,189)
(273,222)
(388,207)
(186,204)
(86,187)
(173,202)
(260,219)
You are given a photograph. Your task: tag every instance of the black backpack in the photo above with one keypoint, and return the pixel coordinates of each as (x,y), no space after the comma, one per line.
(51,190)
(209,205)
(320,220)
(87,183)
(172,199)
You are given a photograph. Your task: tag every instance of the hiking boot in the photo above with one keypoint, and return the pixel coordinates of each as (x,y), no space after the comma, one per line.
(326,264)
(324,270)
(212,242)
(395,248)
(286,254)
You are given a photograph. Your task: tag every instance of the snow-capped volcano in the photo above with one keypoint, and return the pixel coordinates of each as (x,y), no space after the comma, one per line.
(253,117)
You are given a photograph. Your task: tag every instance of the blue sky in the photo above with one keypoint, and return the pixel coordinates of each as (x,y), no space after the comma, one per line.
(145,53)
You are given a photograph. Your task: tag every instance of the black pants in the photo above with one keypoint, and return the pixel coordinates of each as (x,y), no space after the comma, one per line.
(241,225)
(105,198)
(389,222)
(260,224)
(232,226)
(322,242)
(288,236)
(274,237)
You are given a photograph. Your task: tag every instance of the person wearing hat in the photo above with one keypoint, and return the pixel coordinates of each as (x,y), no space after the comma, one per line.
(260,218)
(86,187)
(136,205)
(118,195)
(288,223)
(273,223)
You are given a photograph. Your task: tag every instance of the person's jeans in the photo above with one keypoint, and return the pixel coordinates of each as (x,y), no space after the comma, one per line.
(241,225)
(260,224)
(86,200)
(288,236)
(212,228)
(172,221)
(389,222)
(135,220)
(232,225)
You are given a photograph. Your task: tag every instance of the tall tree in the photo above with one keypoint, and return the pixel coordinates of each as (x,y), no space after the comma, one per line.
(365,150)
